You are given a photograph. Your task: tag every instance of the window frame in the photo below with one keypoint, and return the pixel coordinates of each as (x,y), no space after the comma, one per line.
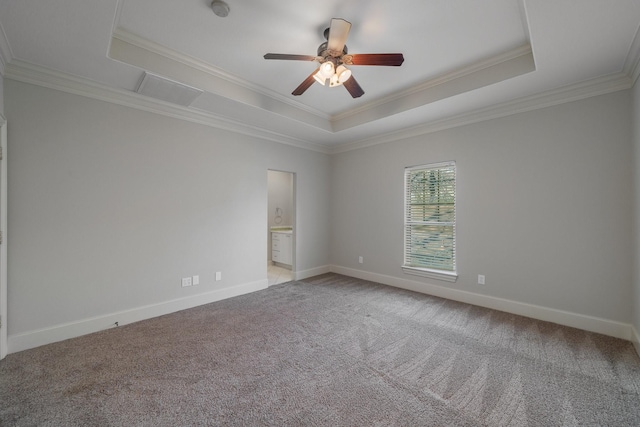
(434,273)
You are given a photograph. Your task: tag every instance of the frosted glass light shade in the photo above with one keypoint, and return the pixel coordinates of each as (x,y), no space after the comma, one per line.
(327,69)
(343,74)
(319,77)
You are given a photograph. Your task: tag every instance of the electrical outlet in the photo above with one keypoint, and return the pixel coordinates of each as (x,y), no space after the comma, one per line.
(218,275)
(360,260)
(480,279)
(196,280)
(186,281)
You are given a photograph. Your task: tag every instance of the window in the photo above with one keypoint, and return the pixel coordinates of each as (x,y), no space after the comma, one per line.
(430,221)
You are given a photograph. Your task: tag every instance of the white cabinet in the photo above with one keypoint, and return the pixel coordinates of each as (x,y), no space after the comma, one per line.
(281,248)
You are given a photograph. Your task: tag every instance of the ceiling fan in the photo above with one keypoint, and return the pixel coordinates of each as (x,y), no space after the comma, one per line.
(333,58)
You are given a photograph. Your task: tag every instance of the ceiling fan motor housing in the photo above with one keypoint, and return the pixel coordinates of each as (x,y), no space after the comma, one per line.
(324,51)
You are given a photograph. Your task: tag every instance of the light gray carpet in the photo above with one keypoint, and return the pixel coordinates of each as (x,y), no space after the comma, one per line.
(331,351)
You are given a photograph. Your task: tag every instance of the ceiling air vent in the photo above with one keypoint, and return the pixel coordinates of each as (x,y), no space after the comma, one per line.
(167,90)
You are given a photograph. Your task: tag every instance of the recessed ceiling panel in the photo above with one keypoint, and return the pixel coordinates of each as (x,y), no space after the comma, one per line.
(435,38)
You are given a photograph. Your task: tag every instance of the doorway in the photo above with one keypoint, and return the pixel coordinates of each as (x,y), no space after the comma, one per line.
(281,228)
(3,237)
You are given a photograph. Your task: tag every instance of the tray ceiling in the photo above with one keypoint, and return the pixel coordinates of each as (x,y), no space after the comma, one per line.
(461,56)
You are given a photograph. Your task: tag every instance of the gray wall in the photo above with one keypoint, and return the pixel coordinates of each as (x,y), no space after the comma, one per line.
(110,206)
(544,205)
(636,213)
(1,94)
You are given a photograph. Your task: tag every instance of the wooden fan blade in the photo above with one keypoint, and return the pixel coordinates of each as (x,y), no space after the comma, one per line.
(338,33)
(392,59)
(306,84)
(289,57)
(353,87)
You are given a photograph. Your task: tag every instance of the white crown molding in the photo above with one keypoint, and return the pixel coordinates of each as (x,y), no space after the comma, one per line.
(570,93)
(524,17)
(40,76)
(148,55)
(437,81)
(29,73)
(5,51)
(632,62)
(148,45)
(474,76)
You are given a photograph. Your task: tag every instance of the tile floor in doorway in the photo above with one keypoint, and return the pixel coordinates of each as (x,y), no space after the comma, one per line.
(277,275)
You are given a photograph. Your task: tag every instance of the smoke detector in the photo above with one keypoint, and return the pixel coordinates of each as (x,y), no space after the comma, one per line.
(220,8)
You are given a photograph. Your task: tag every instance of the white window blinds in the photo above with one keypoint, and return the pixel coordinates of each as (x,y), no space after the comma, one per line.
(430,217)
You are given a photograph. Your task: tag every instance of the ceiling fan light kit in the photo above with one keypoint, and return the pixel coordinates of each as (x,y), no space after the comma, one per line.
(342,75)
(332,56)
(326,71)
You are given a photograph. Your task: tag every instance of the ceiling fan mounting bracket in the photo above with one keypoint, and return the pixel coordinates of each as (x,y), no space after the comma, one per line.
(325,52)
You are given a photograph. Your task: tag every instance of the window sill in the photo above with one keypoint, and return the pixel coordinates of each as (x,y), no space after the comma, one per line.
(447,276)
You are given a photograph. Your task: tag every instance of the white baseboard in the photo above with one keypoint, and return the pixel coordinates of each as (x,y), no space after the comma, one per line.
(300,275)
(31,339)
(635,339)
(575,320)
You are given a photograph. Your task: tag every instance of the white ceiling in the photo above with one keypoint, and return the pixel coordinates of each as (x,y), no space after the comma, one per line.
(464,59)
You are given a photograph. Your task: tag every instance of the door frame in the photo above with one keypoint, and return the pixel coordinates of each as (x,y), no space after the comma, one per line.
(3,245)
(294,217)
